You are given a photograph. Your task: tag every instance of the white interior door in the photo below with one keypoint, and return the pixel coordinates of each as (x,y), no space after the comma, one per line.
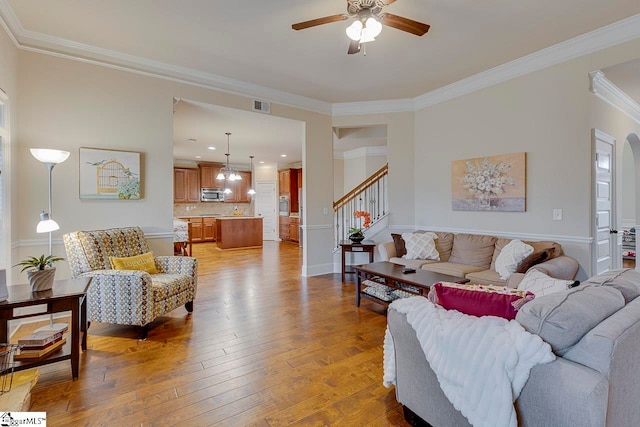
(606,243)
(266,207)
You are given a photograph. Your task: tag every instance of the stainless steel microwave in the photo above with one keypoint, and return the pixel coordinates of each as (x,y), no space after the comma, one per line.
(212,195)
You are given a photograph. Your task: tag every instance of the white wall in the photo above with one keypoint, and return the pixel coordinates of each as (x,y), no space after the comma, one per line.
(9,85)
(338,178)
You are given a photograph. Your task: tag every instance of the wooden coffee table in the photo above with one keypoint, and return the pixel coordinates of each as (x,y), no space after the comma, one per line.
(390,274)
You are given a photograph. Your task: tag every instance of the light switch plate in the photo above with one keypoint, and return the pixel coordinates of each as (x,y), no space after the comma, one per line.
(557,214)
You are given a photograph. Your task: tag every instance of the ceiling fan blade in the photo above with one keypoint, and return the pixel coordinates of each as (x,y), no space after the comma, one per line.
(354,47)
(404,24)
(320,21)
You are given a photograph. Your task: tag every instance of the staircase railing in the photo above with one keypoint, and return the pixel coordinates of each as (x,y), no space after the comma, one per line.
(369,196)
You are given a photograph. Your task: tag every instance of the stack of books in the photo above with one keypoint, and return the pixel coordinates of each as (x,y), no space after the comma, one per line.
(39,344)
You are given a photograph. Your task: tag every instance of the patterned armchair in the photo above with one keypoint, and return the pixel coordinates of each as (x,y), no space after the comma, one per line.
(129,297)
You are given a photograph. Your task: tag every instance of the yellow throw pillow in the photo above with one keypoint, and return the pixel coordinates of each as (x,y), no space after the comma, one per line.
(144,262)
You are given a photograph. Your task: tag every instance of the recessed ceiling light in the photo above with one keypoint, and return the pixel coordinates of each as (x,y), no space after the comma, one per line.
(283,155)
(261,161)
(192,140)
(211,148)
(198,157)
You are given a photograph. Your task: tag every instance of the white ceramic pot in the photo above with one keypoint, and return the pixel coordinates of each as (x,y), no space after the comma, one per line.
(41,280)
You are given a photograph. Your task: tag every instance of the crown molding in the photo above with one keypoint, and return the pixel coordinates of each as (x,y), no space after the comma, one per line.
(604,89)
(610,35)
(373,107)
(56,46)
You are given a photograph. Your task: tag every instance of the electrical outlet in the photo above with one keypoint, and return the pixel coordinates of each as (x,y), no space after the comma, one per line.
(557,214)
(325,211)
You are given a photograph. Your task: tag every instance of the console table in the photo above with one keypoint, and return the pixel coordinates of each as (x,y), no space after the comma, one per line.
(366,246)
(66,295)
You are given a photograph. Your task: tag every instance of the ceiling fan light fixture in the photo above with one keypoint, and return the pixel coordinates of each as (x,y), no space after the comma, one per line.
(373,27)
(354,30)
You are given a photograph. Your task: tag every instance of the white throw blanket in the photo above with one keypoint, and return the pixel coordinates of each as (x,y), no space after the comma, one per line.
(482,363)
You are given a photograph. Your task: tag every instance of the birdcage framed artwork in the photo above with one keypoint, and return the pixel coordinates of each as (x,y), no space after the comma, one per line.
(109,174)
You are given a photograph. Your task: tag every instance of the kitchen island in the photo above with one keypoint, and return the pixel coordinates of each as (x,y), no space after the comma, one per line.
(239,232)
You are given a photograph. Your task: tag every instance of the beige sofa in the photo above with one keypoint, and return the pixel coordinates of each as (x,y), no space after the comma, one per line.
(473,256)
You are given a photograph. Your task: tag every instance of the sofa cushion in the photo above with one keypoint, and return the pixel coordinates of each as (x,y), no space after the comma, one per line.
(479,300)
(444,244)
(511,256)
(626,280)
(415,263)
(563,318)
(450,268)
(473,249)
(486,277)
(540,284)
(420,246)
(399,244)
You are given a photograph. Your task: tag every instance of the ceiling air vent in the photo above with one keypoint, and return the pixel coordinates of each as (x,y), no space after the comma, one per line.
(261,106)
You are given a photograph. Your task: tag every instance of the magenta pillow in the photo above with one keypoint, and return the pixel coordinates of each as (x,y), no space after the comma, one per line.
(481,300)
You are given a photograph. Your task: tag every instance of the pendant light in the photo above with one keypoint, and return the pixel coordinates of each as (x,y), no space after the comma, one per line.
(227,172)
(251,190)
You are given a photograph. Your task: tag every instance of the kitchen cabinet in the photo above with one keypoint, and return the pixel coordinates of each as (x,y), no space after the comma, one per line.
(289,180)
(239,189)
(186,185)
(208,229)
(203,229)
(284,182)
(294,229)
(208,176)
(196,230)
(284,227)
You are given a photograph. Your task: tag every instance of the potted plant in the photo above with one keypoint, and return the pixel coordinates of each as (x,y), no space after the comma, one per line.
(355,234)
(41,273)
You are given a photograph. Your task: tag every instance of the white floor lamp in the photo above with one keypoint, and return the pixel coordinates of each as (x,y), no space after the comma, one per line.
(50,158)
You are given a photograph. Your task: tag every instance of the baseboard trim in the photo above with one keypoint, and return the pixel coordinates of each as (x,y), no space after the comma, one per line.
(317,270)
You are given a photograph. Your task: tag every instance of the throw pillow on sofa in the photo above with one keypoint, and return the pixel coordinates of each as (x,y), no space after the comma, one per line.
(479,300)
(511,256)
(398,242)
(420,246)
(540,284)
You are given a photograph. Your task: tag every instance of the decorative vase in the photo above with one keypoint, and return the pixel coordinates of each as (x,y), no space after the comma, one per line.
(41,280)
(356,237)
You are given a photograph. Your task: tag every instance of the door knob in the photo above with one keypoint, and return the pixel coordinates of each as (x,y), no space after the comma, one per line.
(612,231)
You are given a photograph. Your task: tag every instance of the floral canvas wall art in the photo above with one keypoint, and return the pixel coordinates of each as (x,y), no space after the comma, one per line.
(493,183)
(109,174)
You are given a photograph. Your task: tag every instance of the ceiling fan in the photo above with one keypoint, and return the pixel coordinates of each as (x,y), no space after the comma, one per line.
(368,22)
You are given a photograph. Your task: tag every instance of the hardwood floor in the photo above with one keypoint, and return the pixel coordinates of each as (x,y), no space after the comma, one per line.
(263,347)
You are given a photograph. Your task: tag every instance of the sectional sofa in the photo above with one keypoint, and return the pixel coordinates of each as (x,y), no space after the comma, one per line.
(473,256)
(593,330)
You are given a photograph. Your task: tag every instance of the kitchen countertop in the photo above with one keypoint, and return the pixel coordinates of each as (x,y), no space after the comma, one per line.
(239,217)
